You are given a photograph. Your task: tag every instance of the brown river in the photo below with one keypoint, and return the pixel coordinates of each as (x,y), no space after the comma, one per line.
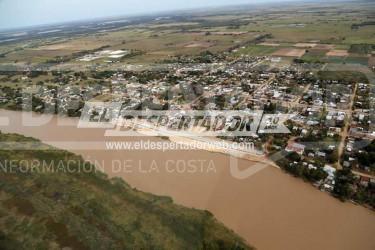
(270,209)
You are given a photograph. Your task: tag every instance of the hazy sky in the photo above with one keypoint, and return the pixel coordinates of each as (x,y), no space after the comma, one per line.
(19,13)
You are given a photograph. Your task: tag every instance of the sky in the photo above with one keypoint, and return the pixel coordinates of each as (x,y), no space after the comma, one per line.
(22,13)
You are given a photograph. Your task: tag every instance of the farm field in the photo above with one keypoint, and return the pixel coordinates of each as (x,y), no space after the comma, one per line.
(286,31)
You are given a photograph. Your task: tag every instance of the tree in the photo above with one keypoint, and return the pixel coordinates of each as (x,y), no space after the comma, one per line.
(294,157)
(344,180)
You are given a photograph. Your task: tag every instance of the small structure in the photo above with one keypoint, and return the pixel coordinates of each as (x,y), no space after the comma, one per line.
(330,171)
(295,147)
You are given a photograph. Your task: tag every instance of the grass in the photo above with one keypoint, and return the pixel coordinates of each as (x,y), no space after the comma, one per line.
(86,210)
(346,76)
(314,56)
(348,59)
(357,60)
(335,59)
(257,50)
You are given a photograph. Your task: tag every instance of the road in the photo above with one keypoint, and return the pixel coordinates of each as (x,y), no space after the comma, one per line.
(344,133)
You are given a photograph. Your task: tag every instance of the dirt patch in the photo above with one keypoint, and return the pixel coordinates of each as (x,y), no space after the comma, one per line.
(290,52)
(60,46)
(337,52)
(317,52)
(270,44)
(371,61)
(305,45)
(199,45)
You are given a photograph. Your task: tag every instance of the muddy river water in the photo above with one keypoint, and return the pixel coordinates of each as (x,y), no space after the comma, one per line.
(270,209)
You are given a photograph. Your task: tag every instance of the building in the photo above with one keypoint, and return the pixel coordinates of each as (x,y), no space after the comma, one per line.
(295,147)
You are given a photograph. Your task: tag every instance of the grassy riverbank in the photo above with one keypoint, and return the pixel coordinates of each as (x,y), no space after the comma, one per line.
(50,199)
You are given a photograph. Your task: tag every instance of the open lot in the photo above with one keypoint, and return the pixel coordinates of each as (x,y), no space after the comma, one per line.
(337,53)
(305,45)
(199,45)
(290,52)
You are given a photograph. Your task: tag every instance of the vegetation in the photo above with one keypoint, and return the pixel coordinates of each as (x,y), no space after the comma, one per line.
(363,24)
(342,76)
(290,162)
(361,48)
(73,206)
(343,184)
(348,187)
(257,50)
(366,157)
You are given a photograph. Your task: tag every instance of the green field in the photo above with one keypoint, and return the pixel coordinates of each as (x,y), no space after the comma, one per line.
(357,60)
(257,50)
(335,59)
(314,56)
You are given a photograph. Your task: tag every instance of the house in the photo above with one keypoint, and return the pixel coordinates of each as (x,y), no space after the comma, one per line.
(3,99)
(330,171)
(321,154)
(304,132)
(364,181)
(328,187)
(295,147)
(346,164)
(311,166)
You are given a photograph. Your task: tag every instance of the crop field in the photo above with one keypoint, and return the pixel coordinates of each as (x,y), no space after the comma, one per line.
(321,34)
(164,44)
(314,55)
(335,59)
(257,50)
(337,53)
(290,52)
(357,60)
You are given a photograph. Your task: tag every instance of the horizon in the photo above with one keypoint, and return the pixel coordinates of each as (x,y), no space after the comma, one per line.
(19,14)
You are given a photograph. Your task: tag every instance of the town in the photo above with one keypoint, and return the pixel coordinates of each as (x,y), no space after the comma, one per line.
(330,119)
